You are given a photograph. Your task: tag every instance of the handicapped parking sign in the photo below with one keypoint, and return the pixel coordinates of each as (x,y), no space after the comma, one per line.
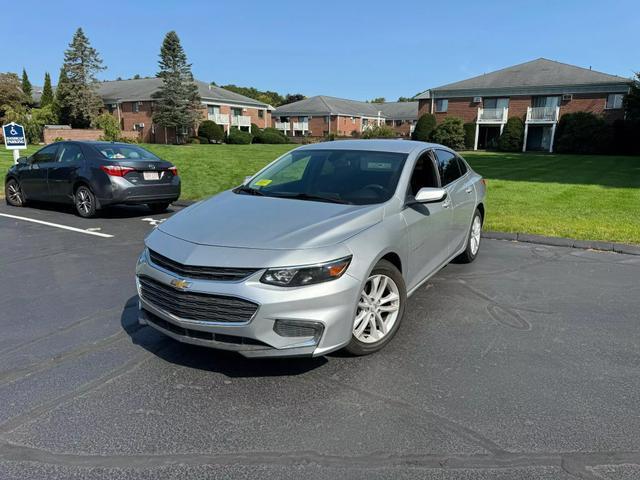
(14,138)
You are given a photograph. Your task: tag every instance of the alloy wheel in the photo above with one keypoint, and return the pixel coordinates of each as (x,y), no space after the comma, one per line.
(83,201)
(378,309)
(14,193)
(474,238)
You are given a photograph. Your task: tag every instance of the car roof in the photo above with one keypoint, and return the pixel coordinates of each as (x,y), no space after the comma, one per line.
(374,145)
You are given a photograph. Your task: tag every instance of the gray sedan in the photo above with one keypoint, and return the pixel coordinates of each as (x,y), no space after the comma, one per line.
(316,252)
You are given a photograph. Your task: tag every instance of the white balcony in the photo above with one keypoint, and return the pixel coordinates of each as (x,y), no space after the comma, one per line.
(367,126)
(240,121)
(493,115)
(543,114)
(300,126)
(285,126)
(219,118)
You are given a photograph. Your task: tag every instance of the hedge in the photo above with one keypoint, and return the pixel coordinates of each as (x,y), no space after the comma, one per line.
(239,137)
(210,130)
(512,136)
(469,135)
(425,126)
(450,133)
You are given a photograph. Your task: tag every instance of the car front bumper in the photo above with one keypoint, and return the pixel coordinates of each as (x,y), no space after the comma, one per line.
(328,308)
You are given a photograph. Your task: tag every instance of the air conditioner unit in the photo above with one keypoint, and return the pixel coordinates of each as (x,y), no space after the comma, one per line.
(138,126)
(477,99)
(140,104)
(567,97)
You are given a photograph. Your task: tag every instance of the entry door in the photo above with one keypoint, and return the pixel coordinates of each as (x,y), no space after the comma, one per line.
(428,224)
(63,173)
(33,178)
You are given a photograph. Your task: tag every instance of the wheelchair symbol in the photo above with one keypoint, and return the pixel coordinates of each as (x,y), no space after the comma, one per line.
(13,131)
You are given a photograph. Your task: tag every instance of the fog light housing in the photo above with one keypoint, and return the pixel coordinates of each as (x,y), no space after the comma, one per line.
(299,328)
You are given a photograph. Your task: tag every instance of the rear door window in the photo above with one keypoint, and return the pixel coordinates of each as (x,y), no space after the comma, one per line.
(448,167)
(70,153)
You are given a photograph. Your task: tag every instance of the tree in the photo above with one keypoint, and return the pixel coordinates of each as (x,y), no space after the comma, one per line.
(46,99)
(405,99)
(27,88)
(10,92)
(424,128)
(136,76)
(512,136)
(81,65)
(109,126)
(292,97)
(61,103)
(210,130)
(450,133)
(632,101)
(378,100)
(177,100)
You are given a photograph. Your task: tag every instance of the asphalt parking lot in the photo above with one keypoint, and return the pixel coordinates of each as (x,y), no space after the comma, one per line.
(524,364)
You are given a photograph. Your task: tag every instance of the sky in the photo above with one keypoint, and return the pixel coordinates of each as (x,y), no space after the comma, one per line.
(350,48)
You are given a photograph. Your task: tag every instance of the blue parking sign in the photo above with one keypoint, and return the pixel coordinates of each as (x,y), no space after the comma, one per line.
(14,137)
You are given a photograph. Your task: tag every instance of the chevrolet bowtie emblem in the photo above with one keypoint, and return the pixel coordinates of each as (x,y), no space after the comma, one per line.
(180,284)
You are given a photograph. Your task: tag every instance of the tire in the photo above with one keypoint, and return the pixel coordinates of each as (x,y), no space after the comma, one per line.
(13,193)
(85,202)
(158,207)
(366,335)
(473,240)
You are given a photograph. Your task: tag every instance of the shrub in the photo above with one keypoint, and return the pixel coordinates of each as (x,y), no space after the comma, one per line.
(239,137)
(255,129)
(512,135)
(270,135)
(203,140)
(425,126)
(626,137)
(109,125)
(194,140)
(583,132)
(211,131)
(355,133)
(379,131)
(469,135)
(450,133)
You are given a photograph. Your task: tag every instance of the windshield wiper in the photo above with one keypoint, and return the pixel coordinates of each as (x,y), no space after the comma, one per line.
(249,190)
(309,196)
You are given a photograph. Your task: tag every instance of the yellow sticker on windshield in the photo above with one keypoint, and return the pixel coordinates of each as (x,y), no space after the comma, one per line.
(263,183)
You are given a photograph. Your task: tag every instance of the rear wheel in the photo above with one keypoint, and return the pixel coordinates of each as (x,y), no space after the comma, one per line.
(13,193)
(473,240)
(85,202)
(159,207)
(380,310)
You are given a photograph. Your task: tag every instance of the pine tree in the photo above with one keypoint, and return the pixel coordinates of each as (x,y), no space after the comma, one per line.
(46,98)
(81,65)
(27,89)
(61,103)
(177,101)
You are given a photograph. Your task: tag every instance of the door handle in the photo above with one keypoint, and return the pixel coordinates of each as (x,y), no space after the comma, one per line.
(469,190)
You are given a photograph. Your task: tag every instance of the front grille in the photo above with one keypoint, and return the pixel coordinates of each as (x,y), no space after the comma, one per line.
(195,305)
(204,273)
(191,333)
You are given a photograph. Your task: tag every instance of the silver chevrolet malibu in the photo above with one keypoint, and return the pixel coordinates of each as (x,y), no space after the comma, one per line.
(316,252)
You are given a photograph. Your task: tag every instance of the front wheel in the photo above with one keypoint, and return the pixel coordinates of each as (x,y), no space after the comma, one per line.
(473,240)
(13,193)
(85,202)
(158,207)
(380,310)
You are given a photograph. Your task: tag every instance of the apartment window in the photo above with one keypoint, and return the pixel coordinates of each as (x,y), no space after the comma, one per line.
(236,112)
(442,105)
(260,113)
(614,100)
(135,108)
(502,102)
(326,119)
(398,123)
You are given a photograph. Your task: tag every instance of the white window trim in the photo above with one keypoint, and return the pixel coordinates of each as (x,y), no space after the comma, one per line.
(441,100)
(606,102)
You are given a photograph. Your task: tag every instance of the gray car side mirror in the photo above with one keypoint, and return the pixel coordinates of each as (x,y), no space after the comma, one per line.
(430,195)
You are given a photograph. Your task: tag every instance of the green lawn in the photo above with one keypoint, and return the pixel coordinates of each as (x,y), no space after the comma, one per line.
(584,197)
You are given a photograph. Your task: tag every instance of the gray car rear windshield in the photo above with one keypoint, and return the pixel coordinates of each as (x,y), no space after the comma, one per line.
(358,177)
(125,152)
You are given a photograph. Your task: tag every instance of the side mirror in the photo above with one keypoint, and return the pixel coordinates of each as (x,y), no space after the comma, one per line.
(23,160)
(431,195)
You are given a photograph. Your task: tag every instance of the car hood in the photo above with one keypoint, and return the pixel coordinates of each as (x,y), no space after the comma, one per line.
(247,221)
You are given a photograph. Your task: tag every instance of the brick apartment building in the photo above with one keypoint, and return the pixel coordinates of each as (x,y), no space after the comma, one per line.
(131,102)
(321,115)
(539,92)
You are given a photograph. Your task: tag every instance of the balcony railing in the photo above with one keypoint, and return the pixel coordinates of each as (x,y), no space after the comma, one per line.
(241,121)
(301,126)
(286,126)
(493,115)
(219,118)
(543,114)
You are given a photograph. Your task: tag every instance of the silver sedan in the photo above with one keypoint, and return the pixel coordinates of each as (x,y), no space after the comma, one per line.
(316,252)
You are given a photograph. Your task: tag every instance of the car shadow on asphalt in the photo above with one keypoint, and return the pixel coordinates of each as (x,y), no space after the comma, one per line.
(228,363)
(110,212)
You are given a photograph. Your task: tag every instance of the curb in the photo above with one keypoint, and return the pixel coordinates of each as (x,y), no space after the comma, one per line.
(565,242)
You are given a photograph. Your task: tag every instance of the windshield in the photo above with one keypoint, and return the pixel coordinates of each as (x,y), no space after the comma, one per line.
(125,152)
(338,176)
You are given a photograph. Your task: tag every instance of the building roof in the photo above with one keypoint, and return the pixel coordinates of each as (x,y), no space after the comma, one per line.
(143,88)
(535,77)
(325,105)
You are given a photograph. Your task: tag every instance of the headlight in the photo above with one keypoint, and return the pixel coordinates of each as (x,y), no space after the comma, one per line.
(143,256)
(300,276)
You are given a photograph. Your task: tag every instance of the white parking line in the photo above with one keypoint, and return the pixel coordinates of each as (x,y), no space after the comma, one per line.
(57,225)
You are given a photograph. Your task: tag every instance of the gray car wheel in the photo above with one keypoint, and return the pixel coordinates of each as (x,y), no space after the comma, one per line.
(473,240)
(380,310)
(85,202)
(13,193)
